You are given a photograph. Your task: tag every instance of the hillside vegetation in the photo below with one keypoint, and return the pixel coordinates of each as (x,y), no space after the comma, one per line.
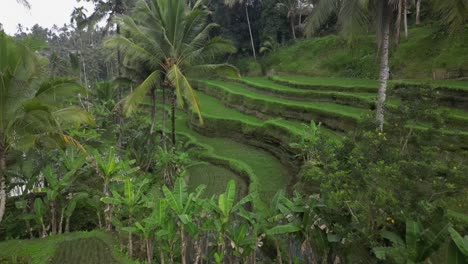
(427,47)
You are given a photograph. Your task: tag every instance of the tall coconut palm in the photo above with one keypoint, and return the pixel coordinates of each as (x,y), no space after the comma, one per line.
(30,111)
(174,41)
(25,3)
(354,17)
(246,4)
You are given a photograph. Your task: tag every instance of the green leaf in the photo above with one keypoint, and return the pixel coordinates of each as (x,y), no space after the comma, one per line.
(460,242)
(171,200)
(394,238)
(283,229)
(413,233)
(454,255)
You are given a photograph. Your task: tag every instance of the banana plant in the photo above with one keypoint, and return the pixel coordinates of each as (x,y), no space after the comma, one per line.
(108,166)
(184,206)
(38,216)
(131,201)
(458,248)
(279,220)
(70,208)
(417,246)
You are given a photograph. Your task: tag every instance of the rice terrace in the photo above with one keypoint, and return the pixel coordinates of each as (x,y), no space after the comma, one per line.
(231,131)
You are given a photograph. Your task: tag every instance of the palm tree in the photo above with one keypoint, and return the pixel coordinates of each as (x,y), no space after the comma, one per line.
(354,17)
(107,10)
(25,3)
(246,4)
(174,41)
(30,110)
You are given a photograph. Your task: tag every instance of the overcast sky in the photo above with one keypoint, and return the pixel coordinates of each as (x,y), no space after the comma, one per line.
(46,13)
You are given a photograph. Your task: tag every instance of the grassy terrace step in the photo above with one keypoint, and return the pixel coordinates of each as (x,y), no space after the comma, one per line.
(335,116)
(264,171)
(263,84)
(328,84)
(102,248)
(363,85)
(456,118)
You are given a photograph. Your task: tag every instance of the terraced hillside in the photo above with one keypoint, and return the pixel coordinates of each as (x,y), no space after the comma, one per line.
(250,123)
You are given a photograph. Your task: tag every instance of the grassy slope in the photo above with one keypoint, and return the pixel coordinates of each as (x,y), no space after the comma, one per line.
(266,85)
(331,56)
(215,178)
(268,174)
(40,251)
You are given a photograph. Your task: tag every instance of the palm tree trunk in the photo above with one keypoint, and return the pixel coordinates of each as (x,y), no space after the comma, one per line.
(418,12)
(163,121)
(293,30)
(173,128)
(153,110)
(53,217)
(3,195)
(119,74)
(250,31)
(384,74)
(107,208)
(398,22)
(405,16)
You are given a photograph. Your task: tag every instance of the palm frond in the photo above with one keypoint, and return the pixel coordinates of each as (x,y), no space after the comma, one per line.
(321,14)
(74,115)
(182,85)
(25,3)
(134,99)
(353,18)
(453,13)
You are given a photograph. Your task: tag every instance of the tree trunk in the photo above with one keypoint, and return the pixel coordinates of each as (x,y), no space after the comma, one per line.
(384,74)
(119,73)
(183,245)
(130,244)
(153,110)
(107,209)
(418,12)
(161,256)
(60,229)
(164,117)
(291,22)
(250,31)
(279,259)
(67,225)
(398,22)
(99,220)
(149,250)
(3,195)
(53,217)
(173,128)
(405,16)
